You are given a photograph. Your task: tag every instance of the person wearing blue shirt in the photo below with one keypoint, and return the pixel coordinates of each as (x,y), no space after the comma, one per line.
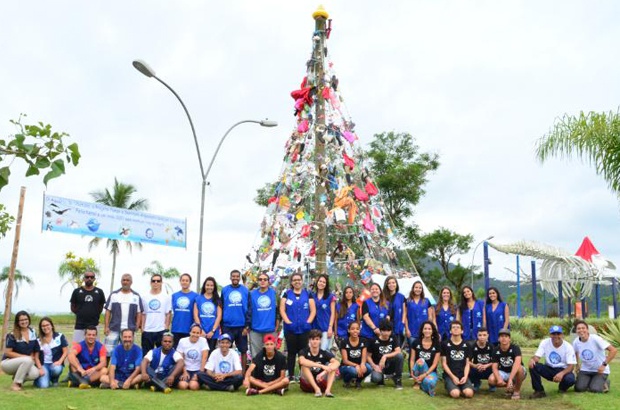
(125,362)
(347,312)
(418,309)
(54,351)
(208,311)
(262,314)
(161,366)
(392,294)
(183,309)
(374,310)
(325,311)
(497,314)
(234,310)
(297,310)
(471,314)
(445,312)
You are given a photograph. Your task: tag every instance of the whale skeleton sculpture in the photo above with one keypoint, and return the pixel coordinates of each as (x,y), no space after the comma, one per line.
(576,274)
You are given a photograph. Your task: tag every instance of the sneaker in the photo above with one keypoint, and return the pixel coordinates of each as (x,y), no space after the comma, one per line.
(281,391)
(538,395)
(431,392)
(83,386)
(153,389)
(104,386)
(492,389)
(251,392)
(346,385)
(55,384)
(69,383)
(358,384)
(606,386)
(398,385)
(230,388)
(167,390)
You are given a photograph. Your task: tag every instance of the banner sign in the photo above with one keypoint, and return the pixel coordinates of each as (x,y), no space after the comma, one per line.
(93,219)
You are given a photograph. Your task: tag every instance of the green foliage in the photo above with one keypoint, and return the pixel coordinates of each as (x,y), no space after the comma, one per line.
(611,332)
(5,221)
(19,278)
(72,269)
(593,137)
(400,171)
(263,194)
(40,148)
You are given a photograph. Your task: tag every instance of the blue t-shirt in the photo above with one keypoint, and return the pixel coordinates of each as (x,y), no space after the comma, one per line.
(126,361)
(396,313)
(234,305)
(349,317)
(263,311)
(183,311)
(323,312)
(417,313)
(207,313)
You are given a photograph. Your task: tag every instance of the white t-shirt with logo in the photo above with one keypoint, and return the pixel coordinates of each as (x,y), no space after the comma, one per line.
(192,352)
(557,357)
(155,308)
(218,363)
(592,353)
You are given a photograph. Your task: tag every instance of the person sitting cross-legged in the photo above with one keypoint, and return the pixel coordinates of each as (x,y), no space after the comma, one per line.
(125,360)
(508,369)
(87,360)
(267,373)
(318,367)
(223,370)
(161,366)
(560,361)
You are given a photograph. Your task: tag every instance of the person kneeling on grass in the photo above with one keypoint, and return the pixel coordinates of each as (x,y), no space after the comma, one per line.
(386,359)
(125,363)
(223,370)
(267,373)
(318,367)
(195,352)
(354,351)
(590,350)
(454,359)
(162,365)
(87,360)
(508,369)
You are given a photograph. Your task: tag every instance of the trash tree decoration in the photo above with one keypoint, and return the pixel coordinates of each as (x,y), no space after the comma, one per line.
(325,214)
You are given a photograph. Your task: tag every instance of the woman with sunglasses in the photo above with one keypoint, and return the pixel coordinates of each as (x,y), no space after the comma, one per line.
(54,351)
(21,352)
(262,318)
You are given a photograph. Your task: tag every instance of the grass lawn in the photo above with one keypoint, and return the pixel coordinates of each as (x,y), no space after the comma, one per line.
(370,397)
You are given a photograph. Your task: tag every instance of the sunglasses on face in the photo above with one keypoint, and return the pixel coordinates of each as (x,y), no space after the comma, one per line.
(89,277)
(156,281)
(262,279)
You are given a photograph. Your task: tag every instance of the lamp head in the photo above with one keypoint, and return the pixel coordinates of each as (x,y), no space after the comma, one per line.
(143,68)
(268,123)
(490,237)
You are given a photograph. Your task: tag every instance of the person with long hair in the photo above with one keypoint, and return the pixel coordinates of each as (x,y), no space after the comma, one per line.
(471,314)
(354,350)
(54,351)
(21,352)
(297,310)
(497,315)
(348,311)
(374,310)
(195,352)
(418,309)
(183,309)
(325,317)
(445,312)
(208,311)
(396,300)
(425,354)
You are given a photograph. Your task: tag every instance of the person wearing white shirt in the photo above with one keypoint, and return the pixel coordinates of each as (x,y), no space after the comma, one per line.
(157,315)
(195,352)
(560,361)
(223,370)
(594,368)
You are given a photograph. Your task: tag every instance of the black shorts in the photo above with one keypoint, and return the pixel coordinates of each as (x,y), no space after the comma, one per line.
(451,386)
(241,340)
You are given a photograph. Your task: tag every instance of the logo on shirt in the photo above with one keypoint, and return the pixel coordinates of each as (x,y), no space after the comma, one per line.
(506,361)
(554,358)
(426,356)
(88,298)
(355,354)
(192,354)
(235,297)
(385,349)
(587,355)
(269,369)
(207,308)
(183,302)
(264,302)
(324,306)
(457,355)
(224,367)
(154,304)
(483,358)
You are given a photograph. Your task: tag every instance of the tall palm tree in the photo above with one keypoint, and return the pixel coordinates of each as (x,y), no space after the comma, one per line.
(156,268)
(18,279)
(592,137)
(119,197)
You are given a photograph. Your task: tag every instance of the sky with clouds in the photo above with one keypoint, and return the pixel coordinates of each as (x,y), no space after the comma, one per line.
(478,82)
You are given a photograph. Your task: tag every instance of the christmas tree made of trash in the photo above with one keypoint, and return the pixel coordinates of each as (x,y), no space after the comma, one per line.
(325,214)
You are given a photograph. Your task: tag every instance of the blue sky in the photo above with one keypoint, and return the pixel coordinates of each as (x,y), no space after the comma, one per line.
(477,82)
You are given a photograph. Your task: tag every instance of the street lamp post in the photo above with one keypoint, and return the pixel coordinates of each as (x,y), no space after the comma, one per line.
(474,255)
(142,67)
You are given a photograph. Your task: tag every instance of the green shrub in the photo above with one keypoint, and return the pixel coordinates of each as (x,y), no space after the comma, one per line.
(611,332)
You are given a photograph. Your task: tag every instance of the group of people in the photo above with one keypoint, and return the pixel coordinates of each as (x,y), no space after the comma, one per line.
(187,341)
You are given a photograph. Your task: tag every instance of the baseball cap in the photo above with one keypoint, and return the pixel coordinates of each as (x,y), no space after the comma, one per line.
(556,329)
(504,332)
(225,336)
(269,338)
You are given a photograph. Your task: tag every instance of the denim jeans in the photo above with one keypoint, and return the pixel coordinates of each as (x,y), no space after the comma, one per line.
(349,373)
(52,373)
(430,381)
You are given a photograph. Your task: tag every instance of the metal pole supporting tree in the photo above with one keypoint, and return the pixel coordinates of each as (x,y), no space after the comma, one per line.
(560,300)
(487,280)
(534,294)
(614,296)
(597,291)
(518,288)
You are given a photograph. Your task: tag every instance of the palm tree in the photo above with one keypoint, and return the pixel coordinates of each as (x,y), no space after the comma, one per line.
(157,268)
(72,269)
(593,137)
(120,197)
(18,279)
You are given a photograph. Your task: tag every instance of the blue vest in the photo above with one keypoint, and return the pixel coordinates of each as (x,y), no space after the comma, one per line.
(183,310)
(495,320)
(376,313)
(343,322)
(417,313)
(323,312)
(207,312)
(472,320)
(263,311)
(167,365)
(298,311)
(396,313)
(444,318)
(89,359)
(234,305)
(126,361)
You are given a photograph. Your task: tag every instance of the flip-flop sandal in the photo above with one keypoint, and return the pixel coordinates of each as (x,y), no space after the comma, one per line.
(318,395)
(516,396)
(331,396)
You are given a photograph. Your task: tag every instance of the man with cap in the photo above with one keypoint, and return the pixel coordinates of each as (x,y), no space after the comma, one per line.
(560,361)
(508,369)
(223,370)
(267,373)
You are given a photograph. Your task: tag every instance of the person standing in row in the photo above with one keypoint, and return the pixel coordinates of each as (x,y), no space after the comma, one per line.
(471,314)
(396,300)
(590,351)
(87,303)
(445,312)
(418,309)
(261,316)
(157,315)
(374,311)
(347,312)
(183,309)
(497,315)
(208,311)
(124,310)
(234,311)
(325,304)
(297,310)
